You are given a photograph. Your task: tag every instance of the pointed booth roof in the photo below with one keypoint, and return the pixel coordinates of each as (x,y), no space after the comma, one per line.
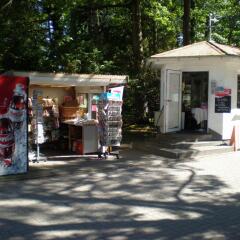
(200,49)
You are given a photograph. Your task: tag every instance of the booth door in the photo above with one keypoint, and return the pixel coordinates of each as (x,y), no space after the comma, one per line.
(173,101)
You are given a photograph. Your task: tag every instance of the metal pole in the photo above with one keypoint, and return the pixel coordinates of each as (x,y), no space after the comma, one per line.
(38,148)
(38,152)
(210,27)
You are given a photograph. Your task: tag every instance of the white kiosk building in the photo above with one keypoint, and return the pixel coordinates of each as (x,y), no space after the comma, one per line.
(200,88)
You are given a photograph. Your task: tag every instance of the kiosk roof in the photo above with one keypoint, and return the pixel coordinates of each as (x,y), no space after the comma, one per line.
(64,79)
(200,49)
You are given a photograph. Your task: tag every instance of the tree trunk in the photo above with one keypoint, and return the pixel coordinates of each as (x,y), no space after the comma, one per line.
(154,38)
(137,35)
(232,23)
(186,22)
(193,23)
(207,30)
(229,37)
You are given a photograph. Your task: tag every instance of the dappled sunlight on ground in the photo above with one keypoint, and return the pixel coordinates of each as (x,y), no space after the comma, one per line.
(140,196)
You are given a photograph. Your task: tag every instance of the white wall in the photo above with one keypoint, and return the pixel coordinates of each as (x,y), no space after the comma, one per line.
(231,82)
(224,71)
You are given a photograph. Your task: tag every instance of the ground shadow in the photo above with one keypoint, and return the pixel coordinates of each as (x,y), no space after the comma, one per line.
(140,196)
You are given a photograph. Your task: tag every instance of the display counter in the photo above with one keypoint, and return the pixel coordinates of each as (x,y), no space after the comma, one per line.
(82,136)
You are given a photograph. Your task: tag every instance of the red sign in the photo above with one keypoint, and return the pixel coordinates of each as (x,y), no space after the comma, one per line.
(223,92)
(13,125)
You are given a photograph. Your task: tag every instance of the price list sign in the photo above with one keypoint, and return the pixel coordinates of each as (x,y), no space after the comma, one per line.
(222,100)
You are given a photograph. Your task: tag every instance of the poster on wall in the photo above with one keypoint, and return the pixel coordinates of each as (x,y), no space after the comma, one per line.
(222,100)
(13,125)
(118,91)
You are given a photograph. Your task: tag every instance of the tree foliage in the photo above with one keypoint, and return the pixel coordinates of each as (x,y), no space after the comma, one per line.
(108,36)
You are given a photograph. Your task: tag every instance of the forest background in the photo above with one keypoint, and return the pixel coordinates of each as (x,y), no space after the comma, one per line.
(110,37)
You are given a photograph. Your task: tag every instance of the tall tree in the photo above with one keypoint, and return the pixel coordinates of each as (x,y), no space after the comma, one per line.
(186,22)
(21,35)
(107,36)
(137,35)
(192,21)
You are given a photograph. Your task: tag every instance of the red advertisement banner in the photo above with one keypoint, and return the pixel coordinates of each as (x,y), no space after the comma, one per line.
(222,92)
(13,125)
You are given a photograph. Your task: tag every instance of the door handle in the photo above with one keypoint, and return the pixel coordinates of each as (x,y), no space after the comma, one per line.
(168,100)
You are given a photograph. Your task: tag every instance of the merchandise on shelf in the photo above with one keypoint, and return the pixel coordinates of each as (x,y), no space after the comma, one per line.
(71,110)
(110,119)
(49,125)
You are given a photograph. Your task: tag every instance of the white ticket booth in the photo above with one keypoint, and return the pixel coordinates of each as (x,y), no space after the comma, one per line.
(200,88)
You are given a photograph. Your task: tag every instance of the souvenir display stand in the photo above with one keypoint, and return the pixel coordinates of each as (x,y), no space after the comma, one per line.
(43,121)
(50,124)
(63,112)
(60,122)
(110,124)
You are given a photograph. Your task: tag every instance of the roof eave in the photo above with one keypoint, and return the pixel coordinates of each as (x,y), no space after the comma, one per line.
(200,56)
(71,79)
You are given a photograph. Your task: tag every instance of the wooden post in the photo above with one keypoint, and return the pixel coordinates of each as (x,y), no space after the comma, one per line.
(235,138)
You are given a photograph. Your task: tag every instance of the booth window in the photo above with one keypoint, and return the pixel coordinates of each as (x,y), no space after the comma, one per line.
(95,98)
(238,92)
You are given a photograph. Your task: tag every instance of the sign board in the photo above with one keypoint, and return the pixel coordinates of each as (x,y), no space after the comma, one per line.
(223,104)
(222,100)
(13,125)
(117,90)
(38,113)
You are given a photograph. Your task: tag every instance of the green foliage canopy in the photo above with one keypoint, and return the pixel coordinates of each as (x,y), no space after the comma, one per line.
(107,36)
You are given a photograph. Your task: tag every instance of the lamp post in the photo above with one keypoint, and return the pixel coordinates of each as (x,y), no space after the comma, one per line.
(212,19)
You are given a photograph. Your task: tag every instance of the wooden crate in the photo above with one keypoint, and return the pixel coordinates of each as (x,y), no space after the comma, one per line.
(68,113)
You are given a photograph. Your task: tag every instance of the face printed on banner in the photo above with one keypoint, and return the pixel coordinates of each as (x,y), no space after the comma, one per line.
(17,106)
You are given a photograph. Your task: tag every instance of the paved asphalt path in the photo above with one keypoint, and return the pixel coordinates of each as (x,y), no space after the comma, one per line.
(139,196)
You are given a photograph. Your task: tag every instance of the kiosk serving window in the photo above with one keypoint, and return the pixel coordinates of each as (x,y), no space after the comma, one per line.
(195,100)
